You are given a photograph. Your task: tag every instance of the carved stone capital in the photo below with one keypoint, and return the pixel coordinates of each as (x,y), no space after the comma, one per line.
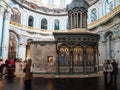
(7,15)
(2,10)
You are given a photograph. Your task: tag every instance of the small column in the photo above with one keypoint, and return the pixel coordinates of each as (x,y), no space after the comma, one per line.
(81,16)
(1,27)
(77,20)
(108,48)
(74,21)
(5,43)
(71,26)
(22,51)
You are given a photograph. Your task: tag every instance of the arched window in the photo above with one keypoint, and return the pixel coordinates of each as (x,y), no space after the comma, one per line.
(93,15)
(16,16)
(44,23)
(56,24)
(30,21)
(109,6)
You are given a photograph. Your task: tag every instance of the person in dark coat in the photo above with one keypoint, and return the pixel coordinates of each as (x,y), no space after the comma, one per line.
(115,70)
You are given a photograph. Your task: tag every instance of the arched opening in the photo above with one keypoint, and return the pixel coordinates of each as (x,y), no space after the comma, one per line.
(16,16)
(13,46)
(30,21)
(44,23)
(93,15)
(108,37)
(109,6)
(56,24)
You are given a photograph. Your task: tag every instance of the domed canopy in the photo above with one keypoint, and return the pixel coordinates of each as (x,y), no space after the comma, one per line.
(78,4)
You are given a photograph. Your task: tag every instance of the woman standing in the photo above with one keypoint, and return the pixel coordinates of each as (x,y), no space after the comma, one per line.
(115,70)
(107,70)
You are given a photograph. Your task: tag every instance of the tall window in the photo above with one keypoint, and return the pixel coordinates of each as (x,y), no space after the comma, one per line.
(109,6)
(44,23)
(93,15)
(30,21)
(16,16)
(56,24)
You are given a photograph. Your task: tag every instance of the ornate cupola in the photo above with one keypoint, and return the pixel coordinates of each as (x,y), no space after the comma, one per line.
(77,14)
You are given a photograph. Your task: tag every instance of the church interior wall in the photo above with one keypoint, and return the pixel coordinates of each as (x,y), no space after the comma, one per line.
(43,56)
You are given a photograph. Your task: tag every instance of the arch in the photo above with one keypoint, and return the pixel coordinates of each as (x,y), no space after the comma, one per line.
(13,45)
(30,21)
(93,15)
(44,23)
(109,33)
(16,16)
(15,33)
(108,6)
(109,43)
(56,24)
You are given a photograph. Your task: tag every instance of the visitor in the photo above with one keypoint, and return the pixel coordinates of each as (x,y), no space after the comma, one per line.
(1,67)
(11,63)
(115,70)
(28,74)
(107,70)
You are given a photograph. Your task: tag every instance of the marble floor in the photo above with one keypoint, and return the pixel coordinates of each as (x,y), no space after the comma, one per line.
(91,83)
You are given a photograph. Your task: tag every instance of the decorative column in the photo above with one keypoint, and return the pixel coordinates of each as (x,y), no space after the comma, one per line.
(108,48)
(57,60)
(5,43)
(1,28)
(81,19)
(22,50)
(71,60)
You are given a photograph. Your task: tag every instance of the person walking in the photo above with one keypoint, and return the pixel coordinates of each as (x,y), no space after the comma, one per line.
(115,70)
(107,70)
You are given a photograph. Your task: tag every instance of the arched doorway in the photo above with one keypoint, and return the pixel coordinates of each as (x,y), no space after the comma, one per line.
(13,46)
(109,44)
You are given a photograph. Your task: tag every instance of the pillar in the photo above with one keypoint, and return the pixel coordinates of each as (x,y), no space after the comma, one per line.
(5,43)
(1,28)
(22,51)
